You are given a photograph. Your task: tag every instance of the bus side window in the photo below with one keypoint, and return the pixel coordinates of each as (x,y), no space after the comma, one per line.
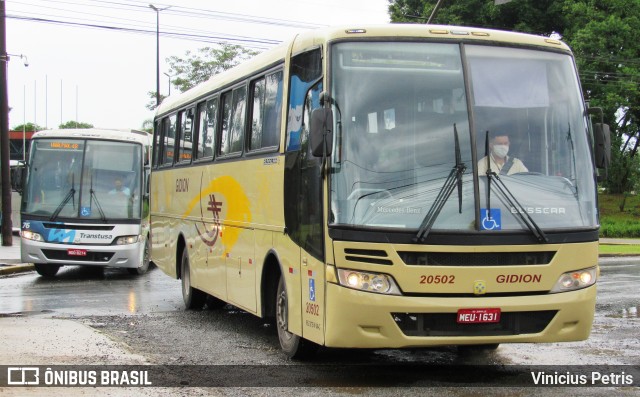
(156,143)
(257,112)
(306,68)
(266,111)
(206,127)
(233,120)
(168,140)
(186,136)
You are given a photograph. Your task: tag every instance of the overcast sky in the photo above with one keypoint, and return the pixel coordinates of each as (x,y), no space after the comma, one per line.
(101,74)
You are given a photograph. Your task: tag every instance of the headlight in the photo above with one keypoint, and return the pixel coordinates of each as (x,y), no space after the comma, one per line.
(371,282)
(577,279)
(29,235)
(127,240)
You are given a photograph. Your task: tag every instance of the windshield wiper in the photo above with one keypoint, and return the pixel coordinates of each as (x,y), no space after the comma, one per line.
(69,196)
(511,199)
(94,197)
(574,171)
(454,179)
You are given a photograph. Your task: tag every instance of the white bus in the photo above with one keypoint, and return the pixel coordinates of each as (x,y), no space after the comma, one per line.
(340,185)
(85,200)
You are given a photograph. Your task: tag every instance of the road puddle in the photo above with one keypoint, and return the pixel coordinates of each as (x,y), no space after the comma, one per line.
(627,312)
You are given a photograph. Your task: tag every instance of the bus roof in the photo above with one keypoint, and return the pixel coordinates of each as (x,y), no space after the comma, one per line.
(318,37)
(96,133)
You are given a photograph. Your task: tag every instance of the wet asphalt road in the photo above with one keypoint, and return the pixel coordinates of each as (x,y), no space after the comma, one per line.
(146,314)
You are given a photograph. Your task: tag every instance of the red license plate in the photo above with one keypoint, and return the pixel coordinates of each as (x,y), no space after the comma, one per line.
(76,252)
(478,316)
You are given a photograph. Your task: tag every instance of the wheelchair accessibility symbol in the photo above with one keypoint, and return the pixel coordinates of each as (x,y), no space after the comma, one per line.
(490,220)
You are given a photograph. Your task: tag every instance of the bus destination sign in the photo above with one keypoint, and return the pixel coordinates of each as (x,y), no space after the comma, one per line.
(65,145)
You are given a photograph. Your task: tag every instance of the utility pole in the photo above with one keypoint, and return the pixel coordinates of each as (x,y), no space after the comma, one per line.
(5,170)
(157,10)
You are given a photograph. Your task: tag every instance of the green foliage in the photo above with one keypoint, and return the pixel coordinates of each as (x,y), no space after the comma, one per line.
(27,127)
(197,67)
(75,124)
(624,172)
(616,223)
(153,103)
(618,229)
(147,126)
(206,62)
(531,16)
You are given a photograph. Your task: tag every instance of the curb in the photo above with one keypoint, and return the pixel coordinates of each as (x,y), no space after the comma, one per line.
(18,268)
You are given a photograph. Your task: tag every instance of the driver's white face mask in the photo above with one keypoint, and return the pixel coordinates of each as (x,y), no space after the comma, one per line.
(501,150)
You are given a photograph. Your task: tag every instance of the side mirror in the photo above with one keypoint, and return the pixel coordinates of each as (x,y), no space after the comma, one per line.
(17,178)
(321,134)
(147,182)
(602,149)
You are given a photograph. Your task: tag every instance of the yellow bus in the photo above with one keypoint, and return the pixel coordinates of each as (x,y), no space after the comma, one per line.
(352,186)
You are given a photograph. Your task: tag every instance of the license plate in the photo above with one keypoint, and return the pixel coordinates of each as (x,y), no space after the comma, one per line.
(478,316)
(76,252)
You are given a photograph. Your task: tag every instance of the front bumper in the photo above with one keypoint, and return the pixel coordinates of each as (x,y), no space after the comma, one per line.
(356,319)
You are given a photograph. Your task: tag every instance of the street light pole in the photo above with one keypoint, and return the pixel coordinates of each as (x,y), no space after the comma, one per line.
(5,165)
(5,171)
(157,10)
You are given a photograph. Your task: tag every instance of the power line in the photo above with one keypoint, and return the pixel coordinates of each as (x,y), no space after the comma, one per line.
(200,13)
(178,11)
(60,15)
(209,38)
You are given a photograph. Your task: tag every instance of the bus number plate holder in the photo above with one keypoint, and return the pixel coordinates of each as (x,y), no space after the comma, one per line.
(478,316)
(76,252)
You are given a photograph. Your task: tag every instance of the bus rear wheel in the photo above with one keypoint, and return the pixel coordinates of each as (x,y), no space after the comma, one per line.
(193,297)
(46,270)
(292,345)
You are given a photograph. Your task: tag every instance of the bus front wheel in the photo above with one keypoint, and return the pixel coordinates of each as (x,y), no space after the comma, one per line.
(146,260)
(477,349)
(193,297)
(46,270)
(292,345)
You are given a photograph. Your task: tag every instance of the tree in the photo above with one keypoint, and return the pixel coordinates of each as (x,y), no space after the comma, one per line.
(602,34)
(147,126)
(607,54)
(201,65)
(531,16)
(27,127)
(75,124)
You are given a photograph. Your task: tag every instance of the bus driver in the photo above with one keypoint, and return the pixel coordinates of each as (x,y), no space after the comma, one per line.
(119,188)
(500,163)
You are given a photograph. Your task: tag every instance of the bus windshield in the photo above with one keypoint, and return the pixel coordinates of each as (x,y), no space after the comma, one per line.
(399,108)
(84,179)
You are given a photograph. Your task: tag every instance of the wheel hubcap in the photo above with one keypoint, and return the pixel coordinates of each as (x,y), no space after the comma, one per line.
(186,281)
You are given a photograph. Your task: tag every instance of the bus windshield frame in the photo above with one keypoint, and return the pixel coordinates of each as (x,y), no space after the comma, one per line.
(84,180)
(400,106)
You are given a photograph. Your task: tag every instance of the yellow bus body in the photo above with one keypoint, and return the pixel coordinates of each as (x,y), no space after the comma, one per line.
(229,215)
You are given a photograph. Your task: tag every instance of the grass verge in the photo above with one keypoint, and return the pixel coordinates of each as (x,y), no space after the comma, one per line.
(619,224)
(619,249)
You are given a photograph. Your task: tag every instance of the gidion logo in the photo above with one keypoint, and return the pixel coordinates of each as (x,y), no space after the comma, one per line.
(182,185)
(518,278)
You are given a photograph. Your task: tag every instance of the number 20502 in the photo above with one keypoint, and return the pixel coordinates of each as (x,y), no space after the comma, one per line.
(438,279)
